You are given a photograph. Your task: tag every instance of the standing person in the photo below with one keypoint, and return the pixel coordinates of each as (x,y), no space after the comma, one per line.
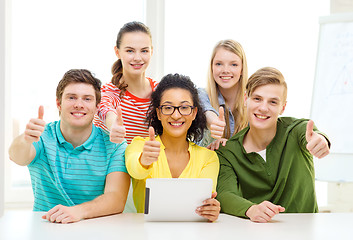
(76,171)
(128,94)
(268,167)
(223,99)
(178,119)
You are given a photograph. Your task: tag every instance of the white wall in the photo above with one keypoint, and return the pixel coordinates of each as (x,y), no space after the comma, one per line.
(2,103)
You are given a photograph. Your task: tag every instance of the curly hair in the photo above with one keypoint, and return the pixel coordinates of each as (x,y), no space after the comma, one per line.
(170,81)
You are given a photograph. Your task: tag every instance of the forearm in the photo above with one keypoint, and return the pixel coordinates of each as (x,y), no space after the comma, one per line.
(112,201)
(135,168)
(110,119)
(21,152)
(233,204)
(106,204)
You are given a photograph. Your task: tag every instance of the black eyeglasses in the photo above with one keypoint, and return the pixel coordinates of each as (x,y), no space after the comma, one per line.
(183,109)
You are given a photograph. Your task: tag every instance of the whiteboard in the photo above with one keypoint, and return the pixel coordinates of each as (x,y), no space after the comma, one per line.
(332,101)
(332,108)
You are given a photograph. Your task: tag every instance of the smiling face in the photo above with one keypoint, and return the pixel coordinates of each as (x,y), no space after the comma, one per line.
(77,106)
(176,125)
(135,52)
(264,105)
(226,68)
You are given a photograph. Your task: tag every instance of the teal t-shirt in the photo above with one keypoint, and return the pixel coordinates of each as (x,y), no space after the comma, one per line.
(61,174)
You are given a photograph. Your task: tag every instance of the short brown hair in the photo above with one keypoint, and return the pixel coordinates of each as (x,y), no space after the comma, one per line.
(265,76)
(79,76)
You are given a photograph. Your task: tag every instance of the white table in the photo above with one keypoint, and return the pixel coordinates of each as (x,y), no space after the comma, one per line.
(29,225)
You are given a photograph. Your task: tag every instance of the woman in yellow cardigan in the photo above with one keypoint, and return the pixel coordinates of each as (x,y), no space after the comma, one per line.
(175,114)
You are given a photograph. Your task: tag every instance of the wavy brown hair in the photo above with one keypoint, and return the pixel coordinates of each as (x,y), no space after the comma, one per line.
(79,76)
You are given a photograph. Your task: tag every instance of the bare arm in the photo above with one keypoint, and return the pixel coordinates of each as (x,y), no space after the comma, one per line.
(22,150)
(110,118)
(111,202)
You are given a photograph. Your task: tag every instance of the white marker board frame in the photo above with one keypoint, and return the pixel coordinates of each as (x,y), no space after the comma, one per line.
(333,95)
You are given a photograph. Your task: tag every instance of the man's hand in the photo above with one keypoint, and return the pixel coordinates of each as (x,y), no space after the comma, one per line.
(215,144)
(118,132)
(217,126)
(210,208)
(35,127)
(151,150)
(317,144)
(63,214)
(263,212)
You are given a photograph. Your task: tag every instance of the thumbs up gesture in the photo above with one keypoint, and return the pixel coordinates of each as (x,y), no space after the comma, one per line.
(317,144)
(35,127)
(217,126)
(117,131)
(151,150)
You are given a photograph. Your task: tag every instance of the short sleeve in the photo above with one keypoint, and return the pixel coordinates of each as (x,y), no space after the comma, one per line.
(117,159)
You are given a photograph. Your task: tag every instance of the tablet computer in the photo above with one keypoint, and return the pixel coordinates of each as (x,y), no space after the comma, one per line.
(176,199)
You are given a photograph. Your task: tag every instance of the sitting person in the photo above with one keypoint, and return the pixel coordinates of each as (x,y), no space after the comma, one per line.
(177,117)
(268,167)
(76,172)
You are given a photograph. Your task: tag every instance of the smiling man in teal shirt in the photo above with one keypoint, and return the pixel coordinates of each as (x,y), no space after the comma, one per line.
(267,168)
(76,172)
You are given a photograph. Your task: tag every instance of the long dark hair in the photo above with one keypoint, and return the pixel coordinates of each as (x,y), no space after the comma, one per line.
(195,132)
(117,68)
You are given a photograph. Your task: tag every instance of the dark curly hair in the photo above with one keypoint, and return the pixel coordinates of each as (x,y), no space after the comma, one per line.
(195,132)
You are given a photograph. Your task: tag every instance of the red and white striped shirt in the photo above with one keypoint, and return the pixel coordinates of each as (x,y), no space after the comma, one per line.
(133,108)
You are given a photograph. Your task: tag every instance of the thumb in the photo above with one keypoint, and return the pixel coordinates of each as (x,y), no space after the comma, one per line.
(221,114)
(309,130)
(119,119)
(40,112)
(151,133)
(214,195)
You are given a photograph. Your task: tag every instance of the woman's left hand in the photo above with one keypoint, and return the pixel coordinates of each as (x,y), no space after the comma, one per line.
(210,208)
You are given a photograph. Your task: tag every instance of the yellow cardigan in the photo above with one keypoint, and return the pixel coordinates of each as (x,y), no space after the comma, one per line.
(203,163)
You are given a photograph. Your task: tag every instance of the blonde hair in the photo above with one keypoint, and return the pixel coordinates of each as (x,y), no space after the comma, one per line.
(265,76)
(212,88)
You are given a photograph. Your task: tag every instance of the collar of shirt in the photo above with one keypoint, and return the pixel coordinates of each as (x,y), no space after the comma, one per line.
(88,144)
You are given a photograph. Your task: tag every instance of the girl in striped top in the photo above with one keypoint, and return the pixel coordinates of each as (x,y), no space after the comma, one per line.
(125,100)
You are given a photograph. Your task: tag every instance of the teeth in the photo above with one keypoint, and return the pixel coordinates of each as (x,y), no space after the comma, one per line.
(78,114)
(226,78)
(261,116)
(176,124)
